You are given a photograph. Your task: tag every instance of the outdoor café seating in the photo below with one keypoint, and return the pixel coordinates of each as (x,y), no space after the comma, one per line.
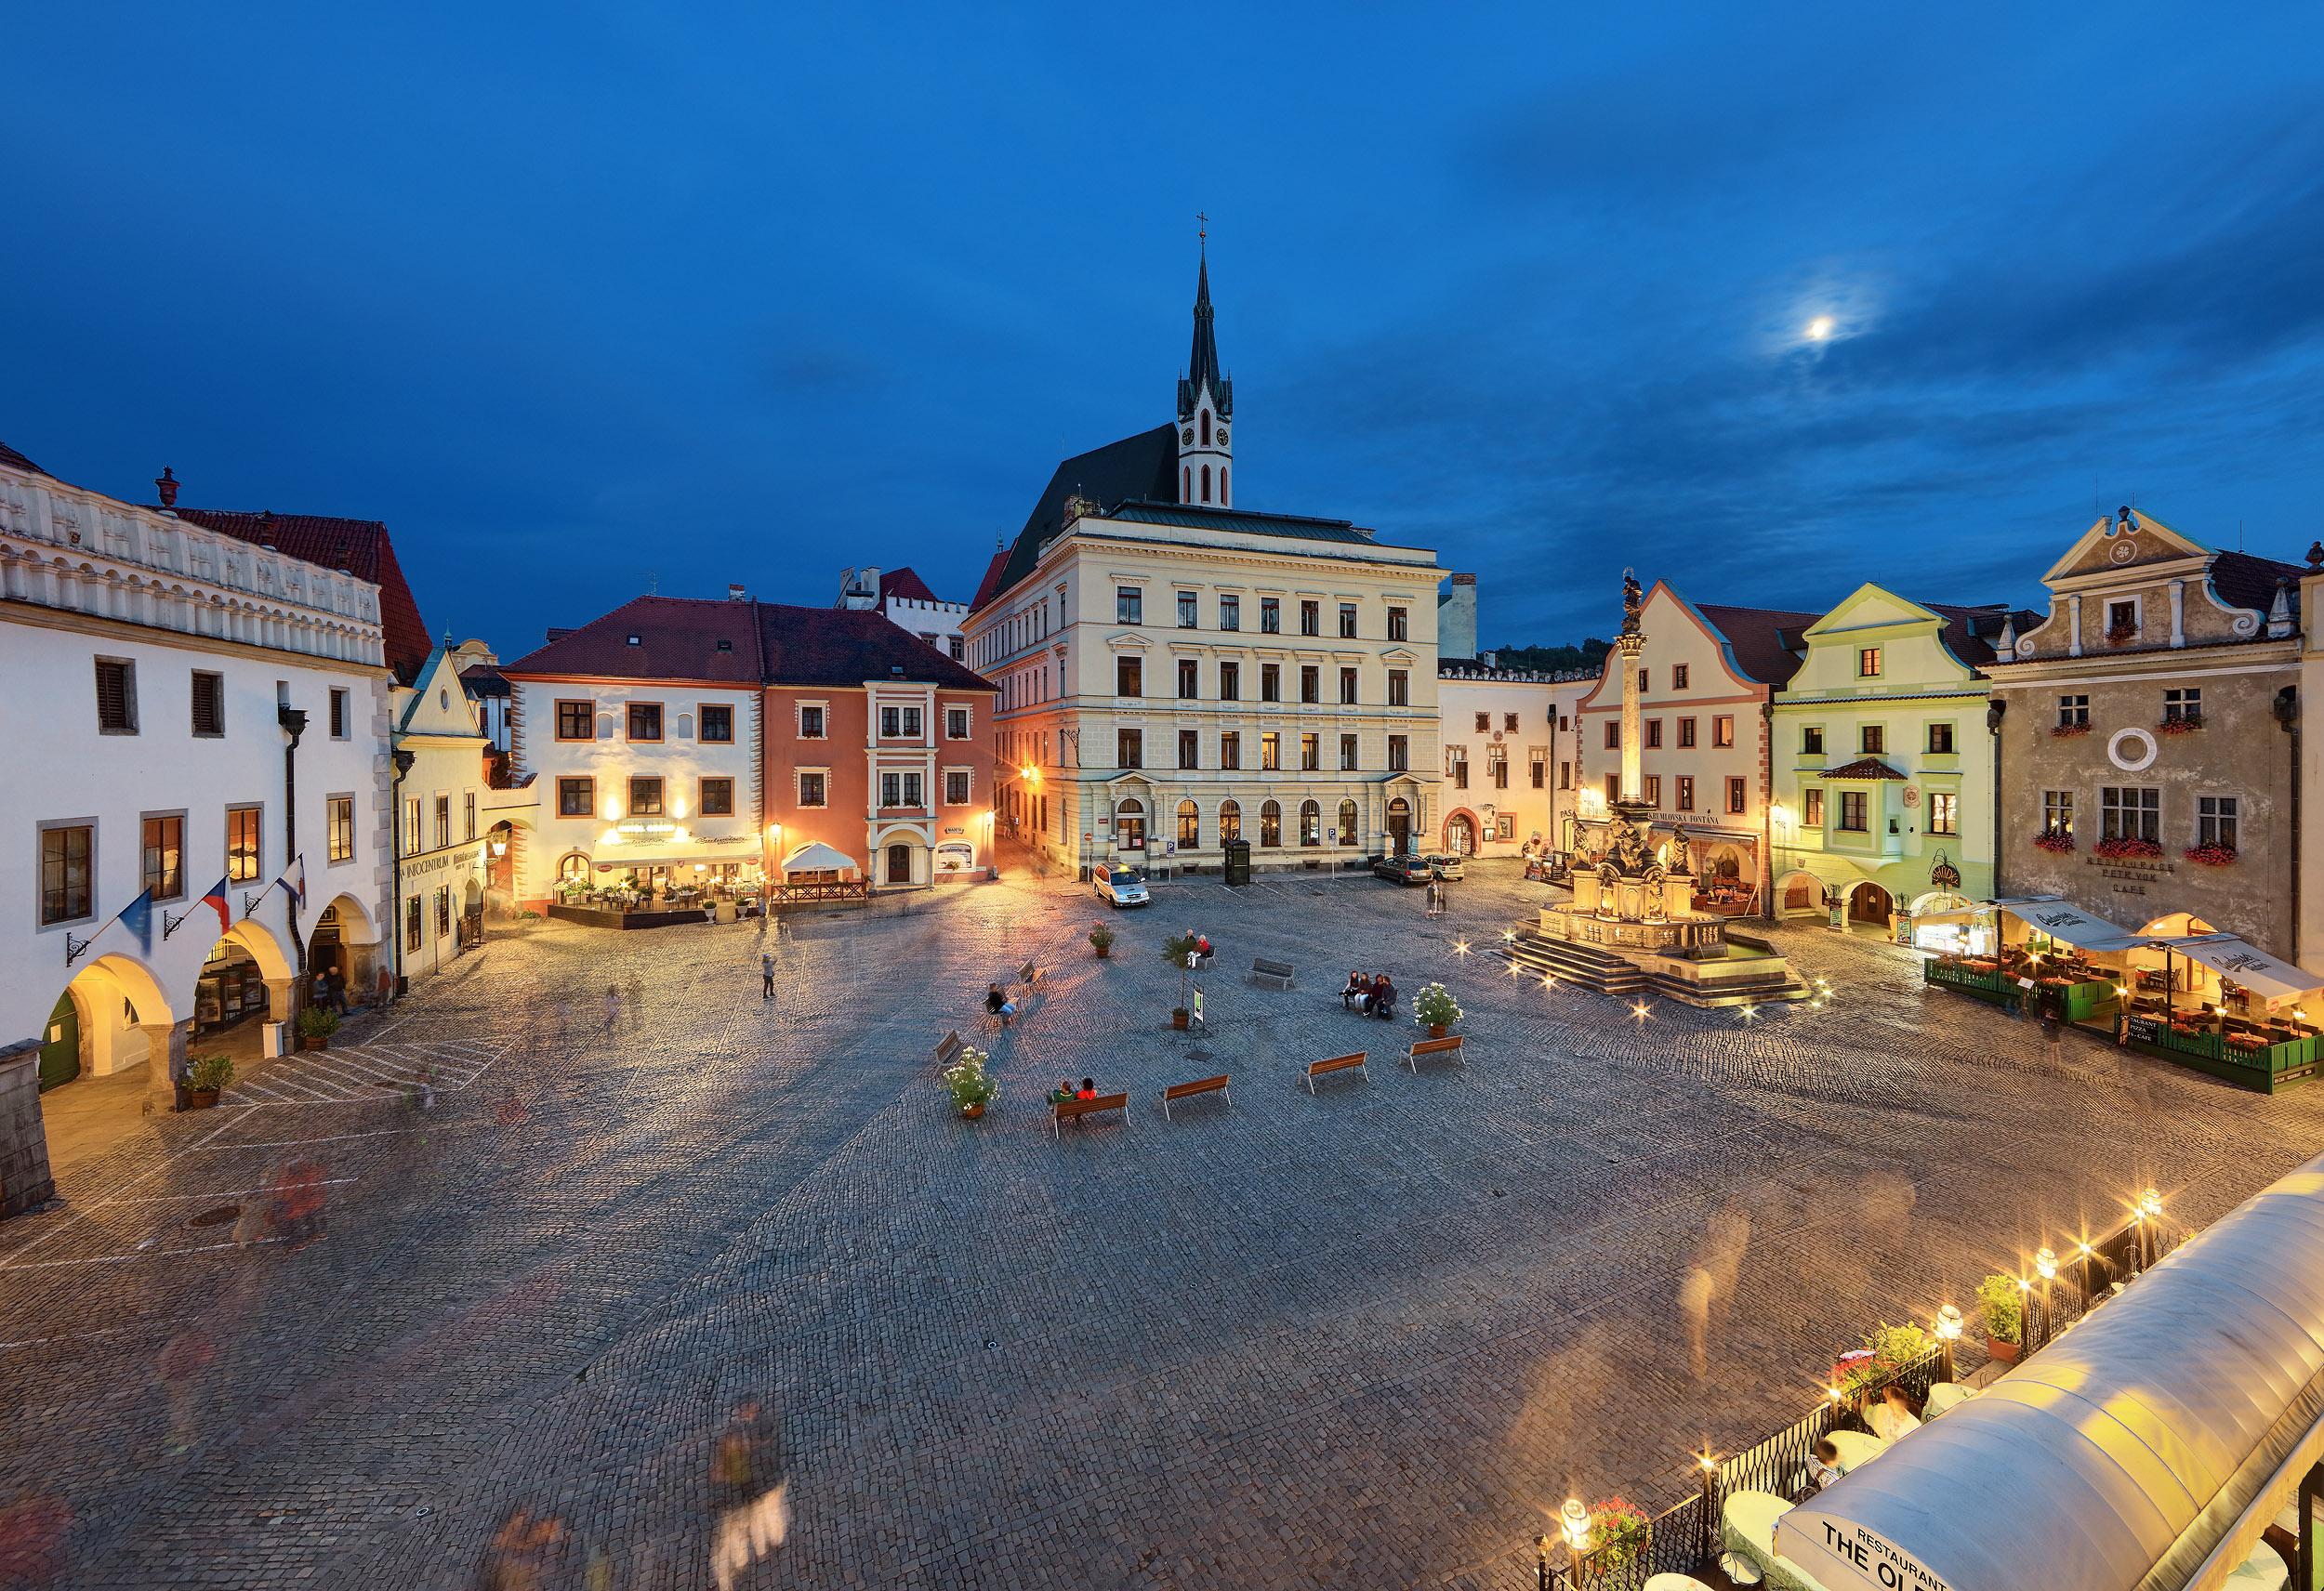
(1747,1526)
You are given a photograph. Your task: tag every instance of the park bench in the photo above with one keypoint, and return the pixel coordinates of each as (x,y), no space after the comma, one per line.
(1199,1086)
(1336,1063)
(1029,974)
(1064,1110)
(1421,1048)
(949,1047)
(1275,972)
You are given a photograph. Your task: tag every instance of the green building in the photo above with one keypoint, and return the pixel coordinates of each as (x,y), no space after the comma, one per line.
(1882,765)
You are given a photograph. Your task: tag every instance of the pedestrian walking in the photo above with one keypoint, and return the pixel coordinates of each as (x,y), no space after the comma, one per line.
(766,975)
(612,1006)
(636,996)
(2054,1032)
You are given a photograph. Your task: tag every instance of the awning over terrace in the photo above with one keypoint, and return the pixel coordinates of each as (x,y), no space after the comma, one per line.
(2145,1450)
(2053,916)
(817,856)
(2272,979)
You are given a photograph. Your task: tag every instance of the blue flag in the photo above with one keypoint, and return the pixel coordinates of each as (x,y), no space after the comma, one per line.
(138,917)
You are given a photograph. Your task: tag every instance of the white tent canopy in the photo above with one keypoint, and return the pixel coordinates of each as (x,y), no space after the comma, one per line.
(2071,924)
(2145,1450)
(815,856)
(2238,962)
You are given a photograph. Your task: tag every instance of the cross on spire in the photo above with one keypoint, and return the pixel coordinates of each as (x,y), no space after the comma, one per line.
(1202,229)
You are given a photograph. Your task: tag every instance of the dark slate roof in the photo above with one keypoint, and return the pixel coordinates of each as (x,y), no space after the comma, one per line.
(1863,767)
(906,584)
(679,637)
(1767,643)
(1972,631)
(485,679)
(848,646)
(2245,581)
(16,460)
(1143,467)
(360,546)
(1202,360)
(1188,517)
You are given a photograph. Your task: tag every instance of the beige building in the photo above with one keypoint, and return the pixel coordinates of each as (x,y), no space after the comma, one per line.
(1500,734)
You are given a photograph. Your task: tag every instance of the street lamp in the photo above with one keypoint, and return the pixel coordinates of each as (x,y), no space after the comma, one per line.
(1947,1334)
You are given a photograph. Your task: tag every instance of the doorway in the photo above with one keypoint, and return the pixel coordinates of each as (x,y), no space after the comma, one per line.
(1399,827)
(1461,835)
(1870,904)
(899,864)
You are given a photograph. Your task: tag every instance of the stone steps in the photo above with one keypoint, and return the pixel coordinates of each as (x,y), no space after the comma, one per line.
(1610,973)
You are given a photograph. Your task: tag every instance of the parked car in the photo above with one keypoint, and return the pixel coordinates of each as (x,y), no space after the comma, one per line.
(1446,866)
(1403,868)
(1120,886)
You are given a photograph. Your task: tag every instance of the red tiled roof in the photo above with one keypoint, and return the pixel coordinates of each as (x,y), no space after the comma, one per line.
(360,546)
(1764,640)
(903,583)
(844,646)
(16,460)
(1863,767)
(679,637)
(485,679)
(989,587)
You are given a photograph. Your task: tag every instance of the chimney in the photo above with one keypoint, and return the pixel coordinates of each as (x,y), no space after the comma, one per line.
(733,593)
(1457,618)
(166,484)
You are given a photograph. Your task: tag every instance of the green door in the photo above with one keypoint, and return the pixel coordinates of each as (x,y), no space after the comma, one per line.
(61,1045)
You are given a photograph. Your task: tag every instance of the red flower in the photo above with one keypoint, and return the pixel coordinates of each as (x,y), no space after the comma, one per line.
(2211,855)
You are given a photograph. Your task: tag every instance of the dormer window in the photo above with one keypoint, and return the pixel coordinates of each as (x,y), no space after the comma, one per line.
(634,641)
(726,646)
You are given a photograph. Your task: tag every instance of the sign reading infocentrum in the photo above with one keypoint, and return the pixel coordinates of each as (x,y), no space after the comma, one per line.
(1844,1556)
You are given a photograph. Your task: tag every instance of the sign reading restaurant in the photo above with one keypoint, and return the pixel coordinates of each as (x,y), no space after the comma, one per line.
(1850,1557)
(438,861)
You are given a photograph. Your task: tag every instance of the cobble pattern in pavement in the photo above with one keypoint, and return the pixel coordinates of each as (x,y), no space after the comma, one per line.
(1370,1337)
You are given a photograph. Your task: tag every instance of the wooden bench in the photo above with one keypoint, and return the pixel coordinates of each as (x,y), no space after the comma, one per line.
(1336,1063)
(1200,1085)
(949,1047)
(1064,1111)
(1448,1045)
(1275,972)
(1029,974)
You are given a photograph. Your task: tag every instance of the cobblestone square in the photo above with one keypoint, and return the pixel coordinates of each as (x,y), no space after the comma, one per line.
(323,1336)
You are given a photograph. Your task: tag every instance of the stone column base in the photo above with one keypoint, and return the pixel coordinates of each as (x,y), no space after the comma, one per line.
(24,1180)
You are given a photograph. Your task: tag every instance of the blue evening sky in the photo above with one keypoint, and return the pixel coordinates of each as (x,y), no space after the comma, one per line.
(583,297)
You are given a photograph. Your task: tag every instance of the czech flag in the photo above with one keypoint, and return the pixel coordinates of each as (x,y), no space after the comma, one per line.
(215,899)
(138,917)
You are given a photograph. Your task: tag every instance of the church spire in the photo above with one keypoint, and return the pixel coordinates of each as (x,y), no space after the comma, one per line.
(1206,403)
(1202,360)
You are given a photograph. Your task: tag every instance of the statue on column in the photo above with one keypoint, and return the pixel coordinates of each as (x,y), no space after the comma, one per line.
(1632,600)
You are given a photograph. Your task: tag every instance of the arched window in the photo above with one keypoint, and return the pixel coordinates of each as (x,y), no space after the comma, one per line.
(1310,823)
(1222,496)
(1187,483)
(1205,483)
(1205,427)
(1230,821)
(574,868)
(1129,826)
(1189,826)
(1347,822)
(1270,825)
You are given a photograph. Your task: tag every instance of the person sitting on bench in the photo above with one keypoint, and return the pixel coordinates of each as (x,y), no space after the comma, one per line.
(1357,988)
(1089,1089)
(1383,1004)
(997,1004)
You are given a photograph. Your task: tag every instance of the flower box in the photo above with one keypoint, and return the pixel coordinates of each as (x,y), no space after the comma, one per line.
(2121,635)
(2067,731)
(2211,855)
(2186,724)
(2124,846)
(2055,840)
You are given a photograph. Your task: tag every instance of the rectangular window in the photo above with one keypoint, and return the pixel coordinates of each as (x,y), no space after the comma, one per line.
(1399,688)
(1457,767)
(1398,625)
(1230,611)
(164,858)
(645,720)
(1186,618)
(1347,687)
(1722,733)
(1565,775)
(410,826)
(1271,682)
(1941,739)
(1654,790)
(443,822)
(2122,621)
(1270,615)
(2182,706)
(209,705)
(2216,820)
(1399,754)
(1187,668)
(1230,682)
(1868,662)
(1131,745)
(2057,812)
(1812,807)
(717,798)
(810,723)
(811,790)
(415,929)
(1484,723)
(1130,677)
(956,648)
(338,714)
(1540,771)
(1812,741)
(1311,754)
(1311,618)
(1230,750)
(956,723)
(443,910)
(1189,749)
(1614,734)
(1736,798)
(1678,677)
(899,790)
(2073,712)
(716,722)
(1854,818)
(1129,605)
(1686,792)
(116,696)
(1944,813)
(340,814)
(645,797)
(911,723)
(1686,732)
(1347,753)
(1873,740)
(2129,812)
(955,786)
(1509,722)
(467,803)
(1270,752)
(1612,789)
(1311,684)
(1347,620)
(1654,733)
(245,850)
(576,797)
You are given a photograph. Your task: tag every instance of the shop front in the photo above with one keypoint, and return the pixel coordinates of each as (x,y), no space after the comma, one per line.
(661,878)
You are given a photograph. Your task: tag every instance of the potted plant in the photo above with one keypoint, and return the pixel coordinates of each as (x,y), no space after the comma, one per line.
(316,1024)
(2121,633)
(1618,1533)
(2180,724)
(205,1075)
(2127,848)
(2001,1306)
(2211,855)
(2067,731)
(2060,841)
(1886,1352)
(1179,951)
(1434,1007)
(972,1087)
(1101,940)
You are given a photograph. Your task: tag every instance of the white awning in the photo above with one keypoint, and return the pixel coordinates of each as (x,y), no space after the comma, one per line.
(817,857)
(2238,962)
(2070,924)
(2145,1450)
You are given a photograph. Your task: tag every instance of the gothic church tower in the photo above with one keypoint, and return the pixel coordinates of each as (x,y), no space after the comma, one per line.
(1205,405)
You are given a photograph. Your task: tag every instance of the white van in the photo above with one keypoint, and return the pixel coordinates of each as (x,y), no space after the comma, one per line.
(1120,885)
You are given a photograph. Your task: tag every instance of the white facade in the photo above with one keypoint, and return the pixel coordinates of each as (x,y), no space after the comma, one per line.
(444,811)
(938,623)
(1499,729)
(156,678)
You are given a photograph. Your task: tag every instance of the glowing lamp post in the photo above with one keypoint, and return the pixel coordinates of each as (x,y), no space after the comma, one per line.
(1947,1334)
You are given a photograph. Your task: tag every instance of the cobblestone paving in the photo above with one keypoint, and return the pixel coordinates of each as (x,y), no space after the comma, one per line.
(1365,1338)
(347,1072)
